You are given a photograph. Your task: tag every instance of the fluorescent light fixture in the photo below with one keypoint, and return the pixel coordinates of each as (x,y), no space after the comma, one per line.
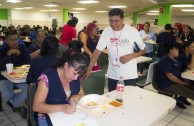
(13,1)
(117,6)
(79,8)
(154,11)
(100,11)
(54,10)
(27,7)
(88,2)
(50,5)
(188,10)
(18,8)
(182,5)
(75,12)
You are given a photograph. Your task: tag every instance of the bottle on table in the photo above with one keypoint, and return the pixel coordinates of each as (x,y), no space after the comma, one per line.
(120,90)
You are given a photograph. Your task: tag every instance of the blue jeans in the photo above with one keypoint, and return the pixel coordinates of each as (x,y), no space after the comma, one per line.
(7,90)
(112,84)
(42,121)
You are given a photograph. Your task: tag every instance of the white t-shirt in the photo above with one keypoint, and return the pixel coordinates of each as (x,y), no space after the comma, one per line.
(120,43)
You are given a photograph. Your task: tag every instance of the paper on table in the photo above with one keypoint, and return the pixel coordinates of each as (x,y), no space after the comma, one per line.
(63,119)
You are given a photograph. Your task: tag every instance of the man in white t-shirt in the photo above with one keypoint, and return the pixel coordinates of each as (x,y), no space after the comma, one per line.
(119,40)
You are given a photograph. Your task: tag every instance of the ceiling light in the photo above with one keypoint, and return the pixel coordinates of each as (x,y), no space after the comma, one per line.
(186,5)
(188,10)
(28,7)
(154,11)
(45,10)
(117,6)
(54,10)
(50,5)
(79,8)
(13,1)
(88,2)
(75,12)
(19,8)
(100,11)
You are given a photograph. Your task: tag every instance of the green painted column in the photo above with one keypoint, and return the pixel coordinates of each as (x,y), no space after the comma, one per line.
(3,14)
(65,15)
(165,17)
(135,14)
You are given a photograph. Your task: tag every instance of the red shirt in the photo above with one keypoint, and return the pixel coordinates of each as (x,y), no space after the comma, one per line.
(68,33)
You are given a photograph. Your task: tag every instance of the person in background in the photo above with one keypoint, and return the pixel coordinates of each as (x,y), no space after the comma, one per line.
(34,48)
(44,60)
(186,57)
(187,34)
(69,31)
(77,46)
(169,73)
(90,40)
(12,52)
(58,33)
(147,36)
(164,40)
(80,33)
(119,40)
(59,88)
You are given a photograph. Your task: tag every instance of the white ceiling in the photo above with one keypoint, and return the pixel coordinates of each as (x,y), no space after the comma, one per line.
(132,5)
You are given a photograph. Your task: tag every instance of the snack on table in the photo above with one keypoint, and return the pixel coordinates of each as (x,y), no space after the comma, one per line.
(91,104)
(15,75)
(115,103)
(80,124)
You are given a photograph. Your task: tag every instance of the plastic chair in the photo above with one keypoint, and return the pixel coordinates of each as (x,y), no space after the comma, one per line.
(94,84)
(155,82)
(30,98)
(149,77)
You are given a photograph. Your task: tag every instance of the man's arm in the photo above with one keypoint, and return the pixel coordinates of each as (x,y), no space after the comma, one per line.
(93,60)
(126,58)
(3,61)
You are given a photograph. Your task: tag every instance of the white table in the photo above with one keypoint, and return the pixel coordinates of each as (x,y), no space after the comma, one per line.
(4,73)
(142,59)
(188,74)
(141,108)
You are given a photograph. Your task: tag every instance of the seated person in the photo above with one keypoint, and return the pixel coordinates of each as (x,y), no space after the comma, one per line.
(34,48)
(59,88)
(12,52)
(170,75)
(186,57)
(48,50)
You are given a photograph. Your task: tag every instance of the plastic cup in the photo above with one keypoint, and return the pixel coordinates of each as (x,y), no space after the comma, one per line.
(9,67)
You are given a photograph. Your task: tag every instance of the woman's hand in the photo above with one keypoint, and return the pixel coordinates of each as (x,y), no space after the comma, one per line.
(69,109)
(73,100)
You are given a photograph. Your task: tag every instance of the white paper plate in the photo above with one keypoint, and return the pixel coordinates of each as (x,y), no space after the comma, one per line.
(91,101)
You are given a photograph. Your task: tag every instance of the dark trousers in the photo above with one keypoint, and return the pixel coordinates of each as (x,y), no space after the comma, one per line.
(112,84)
(141,65)
(181,90)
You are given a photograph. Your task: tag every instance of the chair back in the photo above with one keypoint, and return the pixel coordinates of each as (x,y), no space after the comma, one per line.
(149,76)
(30,98)
(94,84)
(155,82)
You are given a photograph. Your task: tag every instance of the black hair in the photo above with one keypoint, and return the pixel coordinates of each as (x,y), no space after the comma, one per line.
(186,44)
(116,12)
(10,32)
(74,59)
(171,46)
(49,46)
(76,45)
(73,21)
(147,23)
(167,27)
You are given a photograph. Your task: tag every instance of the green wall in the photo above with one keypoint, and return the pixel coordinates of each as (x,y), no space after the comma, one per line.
(3,14)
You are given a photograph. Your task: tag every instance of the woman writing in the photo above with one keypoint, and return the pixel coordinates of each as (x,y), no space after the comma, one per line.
(59,88)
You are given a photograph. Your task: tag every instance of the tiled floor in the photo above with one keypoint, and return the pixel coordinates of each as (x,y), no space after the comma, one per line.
(177,117)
